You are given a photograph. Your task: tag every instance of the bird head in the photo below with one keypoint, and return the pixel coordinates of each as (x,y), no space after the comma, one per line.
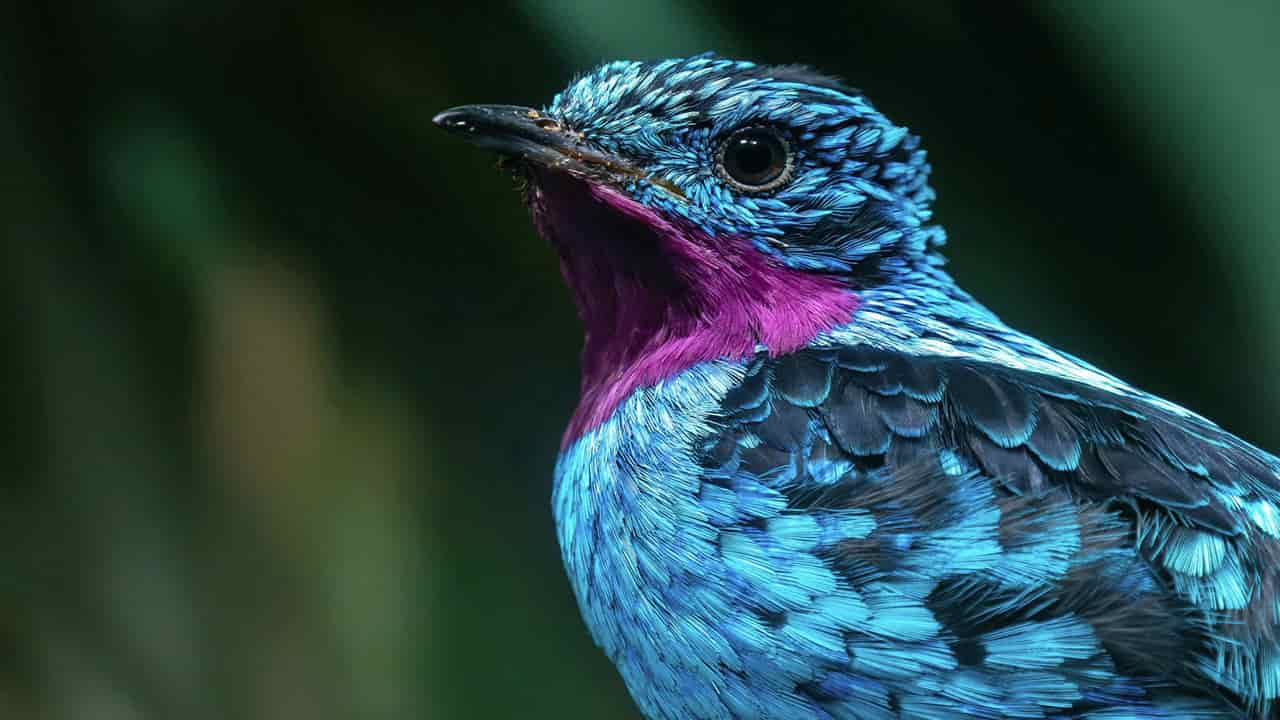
(797,163)
(713,203)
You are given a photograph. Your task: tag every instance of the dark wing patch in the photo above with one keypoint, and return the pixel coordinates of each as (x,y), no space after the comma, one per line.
(854,421)
(1003,520)
(1002,410)
(907,416)
(1056,441)
(804,379)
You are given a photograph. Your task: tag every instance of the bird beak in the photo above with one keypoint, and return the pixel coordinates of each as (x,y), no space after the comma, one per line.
(541,140)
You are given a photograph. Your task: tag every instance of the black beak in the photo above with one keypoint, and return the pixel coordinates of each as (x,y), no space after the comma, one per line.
(540,140)
(530,135)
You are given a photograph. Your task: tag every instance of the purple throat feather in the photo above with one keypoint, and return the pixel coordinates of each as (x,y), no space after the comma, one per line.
(656,296)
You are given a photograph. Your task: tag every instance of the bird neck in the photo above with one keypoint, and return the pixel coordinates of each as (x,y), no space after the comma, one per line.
(657,297)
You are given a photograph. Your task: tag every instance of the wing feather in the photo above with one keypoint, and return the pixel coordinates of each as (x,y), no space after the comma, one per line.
(1024,540)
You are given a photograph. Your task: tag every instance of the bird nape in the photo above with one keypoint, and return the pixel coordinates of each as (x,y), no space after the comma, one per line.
(811,477)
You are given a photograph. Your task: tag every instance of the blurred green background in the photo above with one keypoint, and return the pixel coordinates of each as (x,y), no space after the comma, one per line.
(285,368)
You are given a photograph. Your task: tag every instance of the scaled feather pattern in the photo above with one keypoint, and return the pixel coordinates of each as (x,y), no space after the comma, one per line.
(810,477)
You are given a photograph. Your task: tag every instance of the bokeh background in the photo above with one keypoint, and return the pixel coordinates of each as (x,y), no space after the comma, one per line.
(284,368)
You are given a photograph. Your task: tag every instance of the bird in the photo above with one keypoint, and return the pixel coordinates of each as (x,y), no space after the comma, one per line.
(809,476)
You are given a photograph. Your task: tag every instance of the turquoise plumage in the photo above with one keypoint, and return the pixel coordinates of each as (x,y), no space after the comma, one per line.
(810,477)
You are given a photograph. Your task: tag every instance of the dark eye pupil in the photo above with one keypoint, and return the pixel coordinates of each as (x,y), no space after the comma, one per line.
(755,158)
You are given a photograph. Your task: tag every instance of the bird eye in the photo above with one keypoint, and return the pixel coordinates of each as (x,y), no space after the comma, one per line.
(755,159)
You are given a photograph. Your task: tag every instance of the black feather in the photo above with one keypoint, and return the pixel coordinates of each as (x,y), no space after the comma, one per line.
(863,358)
(854,421)
(1054,440)
(1148,477)
(751,392)
(907,416)
(786,428)
(921,379)
(1013,466)
(804,378)
(1001,409)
